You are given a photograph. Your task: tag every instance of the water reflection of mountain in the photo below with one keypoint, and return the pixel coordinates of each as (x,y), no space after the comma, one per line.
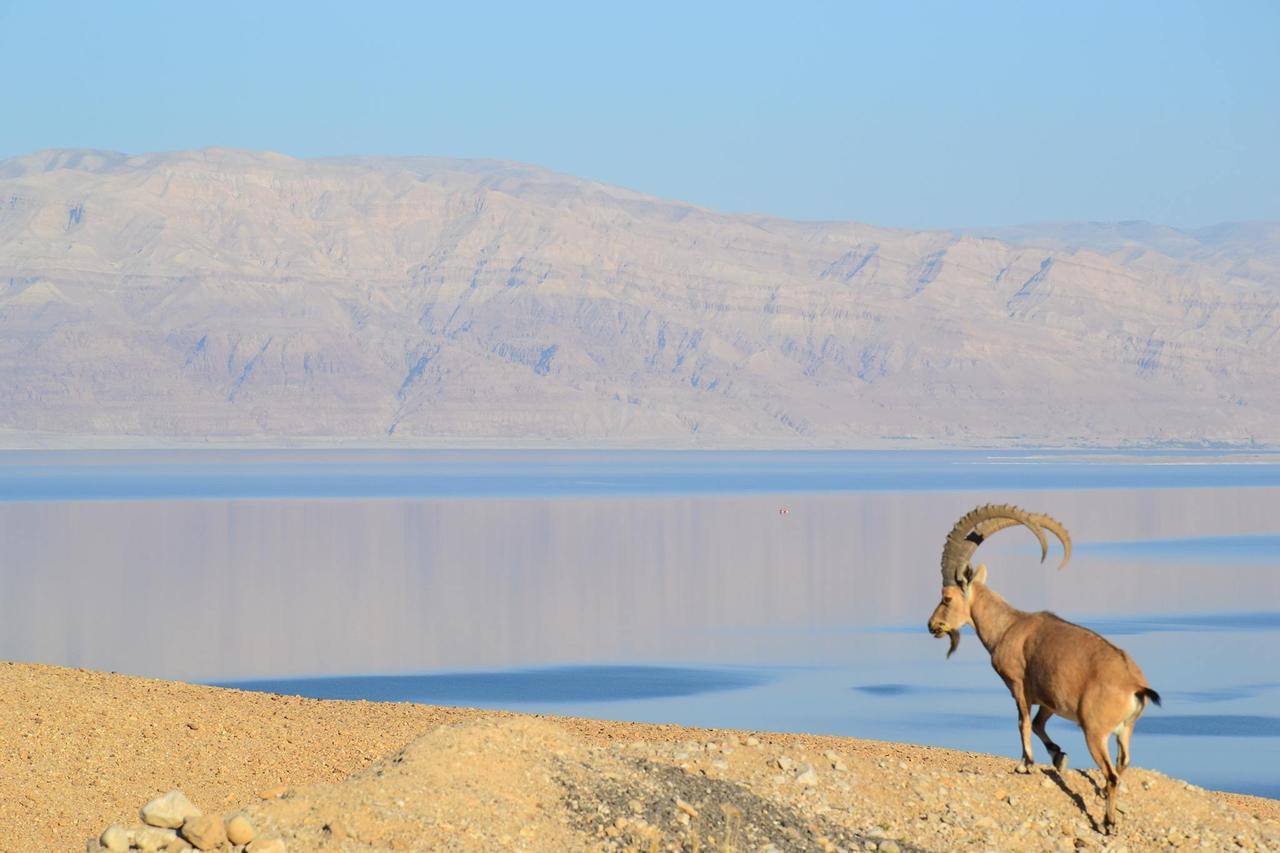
(253,588)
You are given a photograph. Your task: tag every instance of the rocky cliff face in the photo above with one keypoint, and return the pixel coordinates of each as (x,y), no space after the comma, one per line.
(226,296)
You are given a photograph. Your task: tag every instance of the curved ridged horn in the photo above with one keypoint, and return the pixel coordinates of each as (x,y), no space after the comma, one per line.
(965,537)
(984,530)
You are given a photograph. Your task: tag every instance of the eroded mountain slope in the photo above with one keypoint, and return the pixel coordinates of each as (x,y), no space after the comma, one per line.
(225,295)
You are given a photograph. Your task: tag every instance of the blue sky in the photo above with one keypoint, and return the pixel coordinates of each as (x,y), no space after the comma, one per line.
(929,114)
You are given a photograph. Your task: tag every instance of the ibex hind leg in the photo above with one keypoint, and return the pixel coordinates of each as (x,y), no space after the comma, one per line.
(1122,747)
(1055,752)
(1124,731)
(1097,742)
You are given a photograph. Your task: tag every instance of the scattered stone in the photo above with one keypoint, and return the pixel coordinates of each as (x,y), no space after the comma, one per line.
(265,845)
(239,830)
(169,811)
(153,838)
(888,847)
(686,808)
(115,838)
(806,775)
(205,832)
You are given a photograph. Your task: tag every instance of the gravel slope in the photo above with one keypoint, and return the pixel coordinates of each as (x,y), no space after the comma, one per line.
(80,750)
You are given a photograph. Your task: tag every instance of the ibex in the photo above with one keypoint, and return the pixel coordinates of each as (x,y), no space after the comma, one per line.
(1065,669)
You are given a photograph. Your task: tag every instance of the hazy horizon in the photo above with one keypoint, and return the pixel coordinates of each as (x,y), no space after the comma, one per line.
(921,117)
(972,228)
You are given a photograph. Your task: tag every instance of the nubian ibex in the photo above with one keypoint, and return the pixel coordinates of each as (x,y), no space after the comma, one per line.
(1044,660)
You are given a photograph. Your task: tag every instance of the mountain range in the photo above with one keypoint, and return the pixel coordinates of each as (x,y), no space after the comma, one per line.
(223,296)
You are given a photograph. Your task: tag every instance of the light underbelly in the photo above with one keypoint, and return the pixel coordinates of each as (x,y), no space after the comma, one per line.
(1046,697)
(1064,714)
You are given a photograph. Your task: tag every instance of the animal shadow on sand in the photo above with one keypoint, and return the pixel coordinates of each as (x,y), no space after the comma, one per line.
(1075,797)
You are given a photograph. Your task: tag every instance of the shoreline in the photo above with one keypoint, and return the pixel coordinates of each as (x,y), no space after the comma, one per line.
(86,749)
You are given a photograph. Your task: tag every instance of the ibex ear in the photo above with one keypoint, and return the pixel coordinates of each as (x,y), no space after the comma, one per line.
(969,575)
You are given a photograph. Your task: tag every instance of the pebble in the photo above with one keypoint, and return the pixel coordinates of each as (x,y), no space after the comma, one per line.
(239,830)
(205,832)
(888,847)
(806,775)
(785,763)
(115,838)
(169,811)
(686,808)
(153,838)
(265,845)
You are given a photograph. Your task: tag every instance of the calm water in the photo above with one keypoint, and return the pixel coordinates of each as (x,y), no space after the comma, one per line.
(653,586)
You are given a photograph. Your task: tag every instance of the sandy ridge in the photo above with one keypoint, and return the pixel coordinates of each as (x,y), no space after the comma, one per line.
(80,750)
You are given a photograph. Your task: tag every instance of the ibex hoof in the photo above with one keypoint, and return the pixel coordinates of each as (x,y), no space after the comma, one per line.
(1024,768)
(1060,761)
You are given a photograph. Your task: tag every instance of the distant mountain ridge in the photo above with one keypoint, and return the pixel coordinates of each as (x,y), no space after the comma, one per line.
(232,296)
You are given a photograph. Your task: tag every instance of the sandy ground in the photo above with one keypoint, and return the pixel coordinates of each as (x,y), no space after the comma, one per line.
(81,750)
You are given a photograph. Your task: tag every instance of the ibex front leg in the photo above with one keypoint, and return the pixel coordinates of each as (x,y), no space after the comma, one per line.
(1024,727)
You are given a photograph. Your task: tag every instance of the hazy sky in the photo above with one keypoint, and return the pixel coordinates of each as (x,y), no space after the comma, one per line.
(909,114)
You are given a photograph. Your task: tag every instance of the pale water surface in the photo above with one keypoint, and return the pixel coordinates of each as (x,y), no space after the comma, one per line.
(654,586)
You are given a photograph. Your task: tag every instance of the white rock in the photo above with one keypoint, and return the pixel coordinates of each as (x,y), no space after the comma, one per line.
(169,811)
(153,838)
(115,838)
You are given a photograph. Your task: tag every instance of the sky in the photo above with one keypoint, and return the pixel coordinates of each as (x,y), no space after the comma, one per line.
(906,114)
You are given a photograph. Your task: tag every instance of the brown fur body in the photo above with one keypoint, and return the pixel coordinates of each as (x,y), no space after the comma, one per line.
(1061,667)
